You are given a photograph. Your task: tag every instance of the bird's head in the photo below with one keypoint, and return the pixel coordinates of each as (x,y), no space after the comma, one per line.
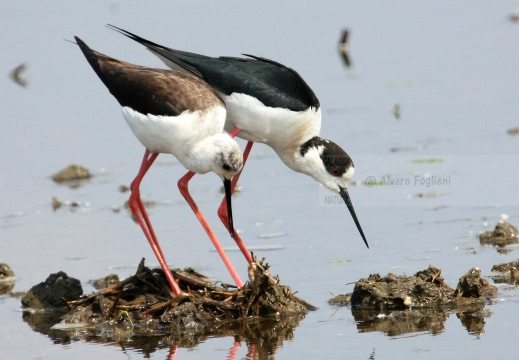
(331,166)
(227,162)
(228,158)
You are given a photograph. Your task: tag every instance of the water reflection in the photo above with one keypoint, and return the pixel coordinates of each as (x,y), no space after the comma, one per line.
(262,337)
(399,322)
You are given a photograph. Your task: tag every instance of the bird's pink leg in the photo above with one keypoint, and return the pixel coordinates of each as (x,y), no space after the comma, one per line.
(250,354)
(233,351)
(172,352)
(183,187)
(222,210)
(141,216)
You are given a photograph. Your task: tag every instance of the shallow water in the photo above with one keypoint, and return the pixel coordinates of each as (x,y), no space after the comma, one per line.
(452,68)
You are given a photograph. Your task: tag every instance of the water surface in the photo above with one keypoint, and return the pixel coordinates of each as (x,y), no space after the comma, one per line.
(452,68)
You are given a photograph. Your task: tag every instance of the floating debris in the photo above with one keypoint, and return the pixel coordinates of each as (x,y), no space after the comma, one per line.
(343,48)
(513,131)
(427,161)
(72,173)
(272,235)
(429,194)
(396,111)
(503,234)
(404,148)
(18,75)
(514,16)
(72,205)
(123,188)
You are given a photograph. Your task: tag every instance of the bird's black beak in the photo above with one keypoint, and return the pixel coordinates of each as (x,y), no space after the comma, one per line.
(347,200)
(228,194)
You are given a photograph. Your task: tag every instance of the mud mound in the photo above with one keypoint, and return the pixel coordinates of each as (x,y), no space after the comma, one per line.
(142,303)
(506,273)
(425,289)
(52,293)
(503,234)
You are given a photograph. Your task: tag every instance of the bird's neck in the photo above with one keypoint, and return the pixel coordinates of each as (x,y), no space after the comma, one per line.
(199,157)
(304,157)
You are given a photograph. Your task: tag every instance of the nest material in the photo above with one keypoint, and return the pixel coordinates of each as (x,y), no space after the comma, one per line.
(144,299)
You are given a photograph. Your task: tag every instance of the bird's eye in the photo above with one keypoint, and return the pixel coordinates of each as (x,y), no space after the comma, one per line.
(336,172)
(227,167)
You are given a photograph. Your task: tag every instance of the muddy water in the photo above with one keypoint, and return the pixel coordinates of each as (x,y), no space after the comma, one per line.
(427,183)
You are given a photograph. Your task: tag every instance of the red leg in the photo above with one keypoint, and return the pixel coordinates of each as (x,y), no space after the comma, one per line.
(222,210)
(233,351)
(172,352)
(141,216)
(250,354)
(183,187)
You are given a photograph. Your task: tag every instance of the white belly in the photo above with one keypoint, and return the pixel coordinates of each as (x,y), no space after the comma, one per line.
(272,126)
(174,134)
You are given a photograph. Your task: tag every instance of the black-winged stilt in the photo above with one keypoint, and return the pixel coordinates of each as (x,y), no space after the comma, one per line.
(269,103)
(175,113)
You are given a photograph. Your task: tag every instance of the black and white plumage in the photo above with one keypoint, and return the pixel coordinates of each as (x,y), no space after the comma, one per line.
(175,113)
(270,103)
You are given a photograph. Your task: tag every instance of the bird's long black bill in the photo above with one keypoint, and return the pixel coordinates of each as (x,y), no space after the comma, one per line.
(228,194)
(347,200)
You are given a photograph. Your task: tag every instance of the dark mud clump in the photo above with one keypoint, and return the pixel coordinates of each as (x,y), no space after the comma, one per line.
(142,303)
(72,173)
(53,293)
(504,234)
(506,273)
(425,289)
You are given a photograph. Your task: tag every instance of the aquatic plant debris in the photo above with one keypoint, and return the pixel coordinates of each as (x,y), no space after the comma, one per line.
(144,300)
(427,161)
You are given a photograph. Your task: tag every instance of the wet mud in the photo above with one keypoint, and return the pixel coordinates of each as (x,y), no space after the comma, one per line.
(7,278)
(504,234)
(263,311)
(399,304)
(507,273)
(53,293)
(262,314)
(72,173)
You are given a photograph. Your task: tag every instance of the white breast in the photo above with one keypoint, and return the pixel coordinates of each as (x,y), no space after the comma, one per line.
(272,126)
(175,134)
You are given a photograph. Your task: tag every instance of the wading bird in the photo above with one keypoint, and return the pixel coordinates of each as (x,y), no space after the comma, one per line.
(175,113)
(268,103)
